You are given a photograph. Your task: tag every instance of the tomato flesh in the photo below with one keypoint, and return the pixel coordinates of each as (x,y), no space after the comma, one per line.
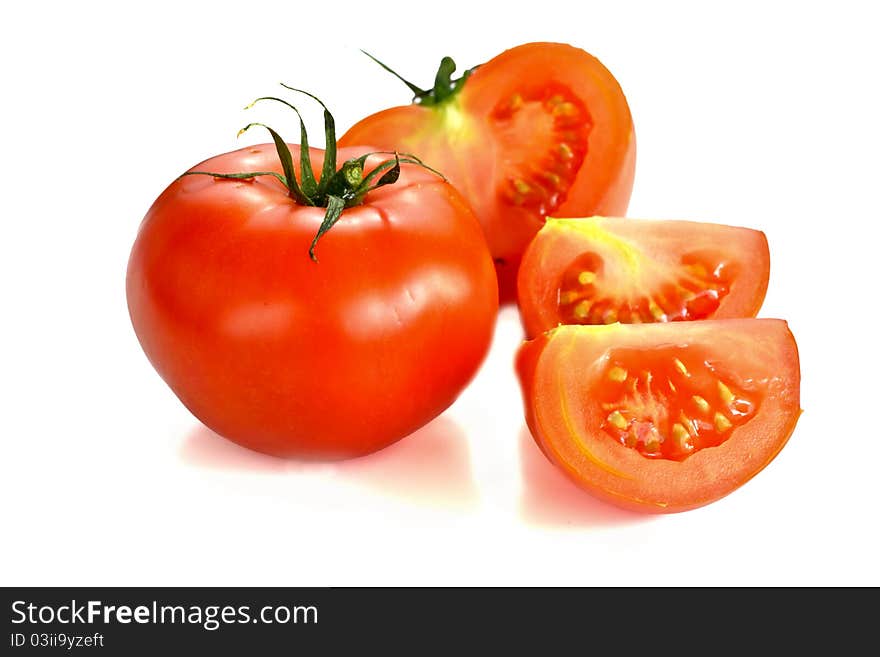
(544,136)
(662,417)
(694,291)
(671,402)
(602,270)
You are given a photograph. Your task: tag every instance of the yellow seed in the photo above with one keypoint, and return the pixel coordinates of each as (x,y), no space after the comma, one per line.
(701,403)
(617,374)
(680,434)
(567,297)
(586,277)
(671,385)
(516,101)
(552,178)
(616,418)
(722,424)
(656,311)
(565,151)
(726,396)
(652,444)
(582,310)
(610,316)
(687,423)
(680,367)
(565,109)
(521,186)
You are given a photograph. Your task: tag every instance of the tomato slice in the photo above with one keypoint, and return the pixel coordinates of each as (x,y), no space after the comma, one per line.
(662,417)
(601,270)
(541,129)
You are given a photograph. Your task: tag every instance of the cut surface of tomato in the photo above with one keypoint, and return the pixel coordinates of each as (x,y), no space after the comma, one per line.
(601,270)
(662,417)
(540,129)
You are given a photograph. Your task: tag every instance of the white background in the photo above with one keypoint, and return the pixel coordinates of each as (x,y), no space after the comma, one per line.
(763,114)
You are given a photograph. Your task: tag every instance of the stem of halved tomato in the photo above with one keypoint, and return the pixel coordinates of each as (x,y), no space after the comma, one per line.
(337,189)
(445,87)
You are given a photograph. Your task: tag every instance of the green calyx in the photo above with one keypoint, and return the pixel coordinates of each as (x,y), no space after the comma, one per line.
(335,189)
(445,87)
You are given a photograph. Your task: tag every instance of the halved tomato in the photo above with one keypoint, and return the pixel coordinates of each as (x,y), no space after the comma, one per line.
(540,129)
(662,418)
(601,270)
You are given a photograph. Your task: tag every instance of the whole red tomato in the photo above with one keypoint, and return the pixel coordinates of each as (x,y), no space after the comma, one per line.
(296,357)
(542,129)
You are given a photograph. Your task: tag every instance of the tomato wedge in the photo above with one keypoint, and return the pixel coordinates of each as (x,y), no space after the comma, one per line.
(601,270)
(662,418)
(541,129)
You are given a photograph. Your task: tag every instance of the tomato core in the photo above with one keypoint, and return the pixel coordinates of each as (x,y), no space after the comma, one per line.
(671,402)
(694,292)
(544,135)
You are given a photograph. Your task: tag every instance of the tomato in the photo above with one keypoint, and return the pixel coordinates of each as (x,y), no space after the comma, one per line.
(665,417)
(292,357)
(541,129)
(601,270)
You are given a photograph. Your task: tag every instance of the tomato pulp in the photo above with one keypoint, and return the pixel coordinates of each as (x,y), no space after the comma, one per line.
(662,418)
(541,129)
(296,358)
(601,270)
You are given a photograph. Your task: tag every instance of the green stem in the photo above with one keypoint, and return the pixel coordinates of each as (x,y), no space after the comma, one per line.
(337,189)
(329,141)
(445,87)
(335,206)
(308,184)
(286,158)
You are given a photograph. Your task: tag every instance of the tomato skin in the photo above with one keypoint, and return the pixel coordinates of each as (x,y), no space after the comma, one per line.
(315,360)
(557,372)
(643,254)
(461,139)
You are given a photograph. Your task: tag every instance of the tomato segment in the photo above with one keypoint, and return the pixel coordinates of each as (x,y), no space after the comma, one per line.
(601,270)
(662,417)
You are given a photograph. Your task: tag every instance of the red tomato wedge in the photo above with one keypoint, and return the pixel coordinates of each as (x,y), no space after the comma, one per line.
(540,129)
(663,417)
(601,270)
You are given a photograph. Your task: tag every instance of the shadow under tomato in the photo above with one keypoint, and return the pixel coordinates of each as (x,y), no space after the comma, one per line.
(204,448)
(429,467)
(549,498)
